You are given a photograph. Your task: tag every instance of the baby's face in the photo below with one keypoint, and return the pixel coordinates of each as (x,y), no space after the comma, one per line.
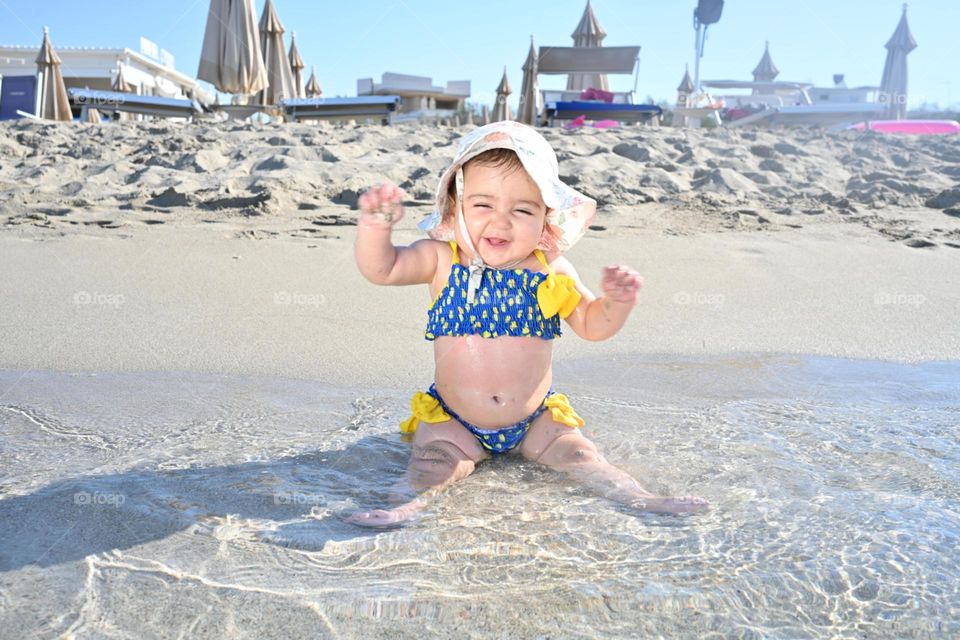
(502,203)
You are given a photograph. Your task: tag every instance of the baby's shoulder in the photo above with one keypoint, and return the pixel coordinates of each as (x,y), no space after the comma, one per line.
(560,263)
(444,251)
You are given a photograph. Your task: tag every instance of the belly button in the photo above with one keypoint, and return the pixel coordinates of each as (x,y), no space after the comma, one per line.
(496,399)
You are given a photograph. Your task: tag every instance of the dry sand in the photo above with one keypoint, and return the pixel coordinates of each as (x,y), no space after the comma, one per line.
(228,247)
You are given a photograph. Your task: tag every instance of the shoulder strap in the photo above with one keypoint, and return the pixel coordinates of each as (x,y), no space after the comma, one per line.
(542,260)
(453,247)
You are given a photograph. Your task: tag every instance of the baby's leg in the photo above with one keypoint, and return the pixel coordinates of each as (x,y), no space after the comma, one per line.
(443,453)
(566,449)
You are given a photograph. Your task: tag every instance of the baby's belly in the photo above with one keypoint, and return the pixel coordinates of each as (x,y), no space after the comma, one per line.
(493,382)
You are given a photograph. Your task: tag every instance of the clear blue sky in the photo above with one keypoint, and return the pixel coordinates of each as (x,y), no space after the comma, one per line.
(810,40)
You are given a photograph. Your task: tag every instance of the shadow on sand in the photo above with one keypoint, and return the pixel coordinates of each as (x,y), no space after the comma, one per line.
(272,499)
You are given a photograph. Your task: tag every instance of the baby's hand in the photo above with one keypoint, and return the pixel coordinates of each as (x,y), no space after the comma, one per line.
(380,206)
(621,283)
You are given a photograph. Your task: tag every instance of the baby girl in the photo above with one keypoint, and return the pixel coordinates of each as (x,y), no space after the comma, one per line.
(500,286)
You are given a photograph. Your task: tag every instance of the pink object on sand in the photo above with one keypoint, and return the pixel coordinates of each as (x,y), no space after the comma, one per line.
(915,127)
(581,121)
(596,94)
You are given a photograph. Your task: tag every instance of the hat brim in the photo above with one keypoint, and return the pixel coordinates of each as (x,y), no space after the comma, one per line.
(569,211)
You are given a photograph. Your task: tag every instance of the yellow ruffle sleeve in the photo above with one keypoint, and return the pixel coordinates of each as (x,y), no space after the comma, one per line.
(558,294)
(424,407)
(562,412)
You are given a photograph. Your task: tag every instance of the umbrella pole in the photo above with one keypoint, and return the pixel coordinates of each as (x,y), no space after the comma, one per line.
(698,52)
(38,99)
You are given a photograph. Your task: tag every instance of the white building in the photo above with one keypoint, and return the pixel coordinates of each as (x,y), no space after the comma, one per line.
(97,68)
(840,93)
(420,98)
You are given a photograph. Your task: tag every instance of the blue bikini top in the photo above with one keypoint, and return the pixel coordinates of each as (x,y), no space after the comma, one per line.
(508,302)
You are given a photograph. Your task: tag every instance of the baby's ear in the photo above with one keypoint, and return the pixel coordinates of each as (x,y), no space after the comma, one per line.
(548,239)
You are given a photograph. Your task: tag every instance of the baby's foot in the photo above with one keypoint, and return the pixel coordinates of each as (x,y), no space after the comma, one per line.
(671,504)
(386,517)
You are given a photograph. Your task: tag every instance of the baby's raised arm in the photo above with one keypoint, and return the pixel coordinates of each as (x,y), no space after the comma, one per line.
(601,318)
(379,261)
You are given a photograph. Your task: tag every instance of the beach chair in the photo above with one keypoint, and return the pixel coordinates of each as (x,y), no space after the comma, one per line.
(108,101)
(362,107)
(822,115)
(602,60)
(554,111)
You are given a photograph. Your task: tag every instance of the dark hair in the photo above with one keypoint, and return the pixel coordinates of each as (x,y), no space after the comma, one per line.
(495,158)
(499,157)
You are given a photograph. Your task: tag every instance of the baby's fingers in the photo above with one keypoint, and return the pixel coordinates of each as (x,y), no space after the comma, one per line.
(364,201)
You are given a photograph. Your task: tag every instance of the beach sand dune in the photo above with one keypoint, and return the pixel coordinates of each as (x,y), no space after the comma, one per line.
(907,189)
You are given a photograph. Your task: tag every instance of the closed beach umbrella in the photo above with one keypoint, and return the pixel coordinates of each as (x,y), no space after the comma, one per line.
(296,66)
(93,116)
(893,85)
(530,91)
(279,75)
(211,53)
(313,87)
(121,85)
(588,34)
(231,59)
(54,103)
(685,89)
(501,110)
(765,71)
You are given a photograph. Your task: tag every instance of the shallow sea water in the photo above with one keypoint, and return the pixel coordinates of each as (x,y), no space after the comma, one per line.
(187,505)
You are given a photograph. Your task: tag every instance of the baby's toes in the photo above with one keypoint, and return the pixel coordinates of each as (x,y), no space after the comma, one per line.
(690,503)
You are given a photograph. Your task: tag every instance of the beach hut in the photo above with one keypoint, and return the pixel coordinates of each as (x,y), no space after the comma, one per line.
(588,34)
(893,85)
(279,74)
(501,110)
(530,100)
(296,66)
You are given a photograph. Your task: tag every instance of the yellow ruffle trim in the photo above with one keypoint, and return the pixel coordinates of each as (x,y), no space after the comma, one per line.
(424,407)
(558,294)
(562,412)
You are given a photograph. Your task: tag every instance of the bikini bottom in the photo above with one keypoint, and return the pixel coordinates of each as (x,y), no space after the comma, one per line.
(430,407)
